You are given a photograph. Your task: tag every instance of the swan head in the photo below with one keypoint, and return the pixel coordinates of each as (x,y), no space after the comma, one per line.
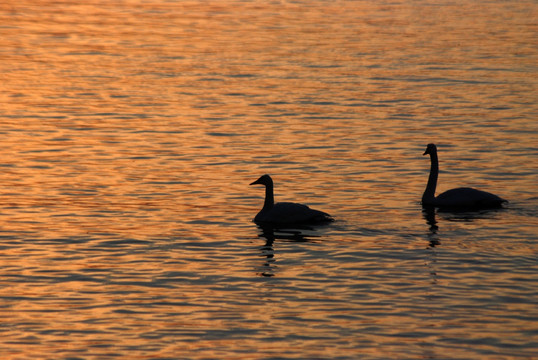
(263,180)
(430,149)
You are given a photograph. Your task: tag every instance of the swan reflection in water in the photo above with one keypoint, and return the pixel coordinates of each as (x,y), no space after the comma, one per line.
(428,212)
(270,234)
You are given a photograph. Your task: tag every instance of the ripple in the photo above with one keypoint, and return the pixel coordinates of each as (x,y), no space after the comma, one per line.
(128,148)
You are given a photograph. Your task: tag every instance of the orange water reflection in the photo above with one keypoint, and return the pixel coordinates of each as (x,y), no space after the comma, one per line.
(131,132)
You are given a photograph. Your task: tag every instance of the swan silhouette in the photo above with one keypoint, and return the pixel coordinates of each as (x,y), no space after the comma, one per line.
(463,198)
(286,212)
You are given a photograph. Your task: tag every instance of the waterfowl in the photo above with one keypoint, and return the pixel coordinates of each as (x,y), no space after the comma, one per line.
(463,198)
(286,212)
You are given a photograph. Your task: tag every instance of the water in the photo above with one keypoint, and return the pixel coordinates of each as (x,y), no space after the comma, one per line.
(131,130)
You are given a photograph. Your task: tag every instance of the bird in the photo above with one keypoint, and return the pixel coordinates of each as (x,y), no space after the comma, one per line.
(463,198)
(286,212)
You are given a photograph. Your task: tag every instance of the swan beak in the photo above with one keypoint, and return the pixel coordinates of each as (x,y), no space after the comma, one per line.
(263,180)
(425,152)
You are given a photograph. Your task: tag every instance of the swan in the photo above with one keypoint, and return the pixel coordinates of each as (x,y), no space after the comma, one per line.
(462,198)
(286,212)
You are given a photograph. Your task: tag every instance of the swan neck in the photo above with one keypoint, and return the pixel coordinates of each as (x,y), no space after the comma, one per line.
(429,193)
(269,197)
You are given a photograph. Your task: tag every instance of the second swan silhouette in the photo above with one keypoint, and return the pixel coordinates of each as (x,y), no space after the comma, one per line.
(463,198)
(286,212)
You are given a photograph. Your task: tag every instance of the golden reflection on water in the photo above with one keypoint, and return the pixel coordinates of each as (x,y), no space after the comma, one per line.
(130,132)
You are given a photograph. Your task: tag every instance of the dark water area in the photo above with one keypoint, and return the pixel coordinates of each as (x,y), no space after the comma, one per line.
(131,132)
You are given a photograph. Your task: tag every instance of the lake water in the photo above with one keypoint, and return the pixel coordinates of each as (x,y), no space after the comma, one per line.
(130,131)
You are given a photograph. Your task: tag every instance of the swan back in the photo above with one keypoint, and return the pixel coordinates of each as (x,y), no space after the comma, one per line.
(469,198)
(292,213)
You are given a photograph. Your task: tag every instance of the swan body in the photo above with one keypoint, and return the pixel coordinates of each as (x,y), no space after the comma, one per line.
(461,198)
(286,212)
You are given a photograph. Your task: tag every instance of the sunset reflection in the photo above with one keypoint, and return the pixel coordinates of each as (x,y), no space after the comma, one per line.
(131,130)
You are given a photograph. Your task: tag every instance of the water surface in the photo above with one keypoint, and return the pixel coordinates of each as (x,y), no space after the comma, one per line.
(131,130)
